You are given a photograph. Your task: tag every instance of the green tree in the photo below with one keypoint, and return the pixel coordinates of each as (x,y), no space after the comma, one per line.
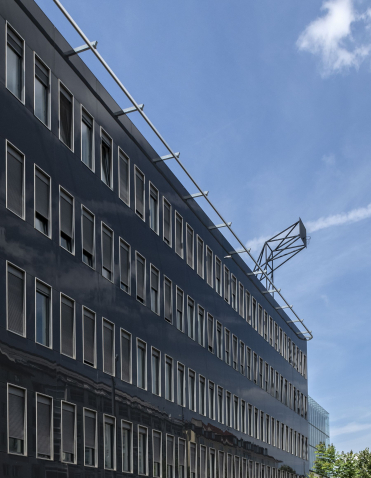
(325,462)
(364,463)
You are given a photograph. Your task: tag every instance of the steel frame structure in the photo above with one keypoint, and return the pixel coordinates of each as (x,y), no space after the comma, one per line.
(303,335)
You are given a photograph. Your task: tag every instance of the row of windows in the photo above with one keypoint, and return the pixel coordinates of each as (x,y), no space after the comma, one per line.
(120,437)
(243,359)
(187,244)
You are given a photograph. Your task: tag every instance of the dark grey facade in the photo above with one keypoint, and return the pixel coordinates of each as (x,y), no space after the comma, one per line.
(119,354)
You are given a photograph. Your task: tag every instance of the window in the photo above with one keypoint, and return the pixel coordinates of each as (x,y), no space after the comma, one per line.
(277,383)
(153,208)
(106,158)
(260,320)
(240,300)
(248,306)
(44,427)
(125,262)
(16,300)
(212,458)
(219,340)
(167,221)
(88,237)
(235,413)
(17,419)
(191,318)
(235,352)
(181,385)
(218,275)
(221,464)
(179,309)
(266,331)
(227,349)
(168,300)
(253,314)
(202,397)
(90,438)
(237,467)
(141,278)
(250,419)
(89,333)
(127,446)
(211,400)
(210,333)
(170,456)
(209,266)
(142,450)
(201,326)
(248,363)
(220,404)
(244,468)
(228,409)
(242,357)
(192,389)
(182,459)
(66,221)
(68,422)
(109,424)
(67,326)
(15,181)
(276,336)
(203,463)
(179,234)
(200,257)
(234,292)
(126,374)
(42,202)
(193,460)
(280,349)
(87,139)
(155,290)
(261,432)
(139,193)
(266,377)
(271,332)
(43,314)
(124,177)
(156,371)
(190,246)
(169,387)
(157,453)
(65,116)
(226,284)
(108,347)
(42,92)
(15,63)
(256,368)
(243,417)
(256,423)
(107,252)
(261,373)
(230,466)
(141,364)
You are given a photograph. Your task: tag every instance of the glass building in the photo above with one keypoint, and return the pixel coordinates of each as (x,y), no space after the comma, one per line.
(319,428)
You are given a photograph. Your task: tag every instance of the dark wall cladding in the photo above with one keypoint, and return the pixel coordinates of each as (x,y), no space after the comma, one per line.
(30,366)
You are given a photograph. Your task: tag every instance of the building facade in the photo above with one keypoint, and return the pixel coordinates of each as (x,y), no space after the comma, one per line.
(129,344)
(319,428)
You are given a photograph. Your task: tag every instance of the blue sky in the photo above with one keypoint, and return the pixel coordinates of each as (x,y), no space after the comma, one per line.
(269,103)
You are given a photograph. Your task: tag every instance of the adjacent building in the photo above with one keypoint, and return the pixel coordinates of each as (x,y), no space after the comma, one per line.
(319,428)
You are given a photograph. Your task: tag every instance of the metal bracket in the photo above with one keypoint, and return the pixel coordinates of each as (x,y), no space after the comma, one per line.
(128,110)
(196,195)
(227,224)
(292,321)
(256,273)
(167,156)
(80,49)
(241,251)
(271,291)
(284,307)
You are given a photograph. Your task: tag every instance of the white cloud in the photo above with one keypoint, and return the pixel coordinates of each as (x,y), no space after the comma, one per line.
(329,159)
(350,428)
(331,36)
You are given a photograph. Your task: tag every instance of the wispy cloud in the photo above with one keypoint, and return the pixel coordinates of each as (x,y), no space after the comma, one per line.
(350,428)
(329,159)
(332,36)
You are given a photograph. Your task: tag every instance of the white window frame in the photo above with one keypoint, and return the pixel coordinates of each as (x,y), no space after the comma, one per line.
(158,352)
(228,298)
(145,363)
(7,144)
(201,333)
(241,300)
(193,318)
(195,390)
(114,346)
(74,432)
(102,133)
(23,95)
(131,355)
(50,202)
(73,116)
(35,55)
(121,152)
(171,399)
(233,280)
(209,280)
(8,263)
(202,272)
(153,452)
(135,193)
(220,412)
(64,191)
(192,265)
(37,394)
(83,111)
(25,419)
(122,241)
(176,309)
(145,278)
(85,409)
(146,457)
(171,222)
(102,224)
(114,450)
(178,216)
(205,394)
(151,185)
(165,278)
(50,314)
(179,365)
(221,276)
(151,266)
(82,237)
(95,337)
(74,325)
(131,445)
(210,402)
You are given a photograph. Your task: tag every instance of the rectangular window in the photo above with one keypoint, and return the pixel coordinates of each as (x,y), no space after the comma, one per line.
(42,202)
(235,413)
(212,461)
(127,446)
(193,460)
(266,377)
(211,400)
(243,417)
(228,409)
(241,301)
(65,116)
(89,333)
(44,427)
(190,246)
(125,266)
(192,389)
(219,340)
(15,63)
(260,320)
(170,456)
(142,364)
(157,453)
(106,159)
(139,193)
(68,430)
(179,234)
(220,405)
(43,314)
(107,252)
(15,181)
(16,300)
(66,221)
(218,275)
(210,333)
(237,467)
(168,300)
(17,419)
(256,368)
(181,385)
(271,331)
(203,463)
(230,466)
(261,432)
(169,384)
(155,290)
(209,266)
(182,458)
(234,292)
(254,320)
(68,342)
(248,363)
(201,326)
(235,352)
(109,424)
(153,208)
(166,209)
(256,423)
(248,307)
(191,318)
(142,450)
(87,139)
(90,438)
(280,348)
(242,358)
(124,177)
(42,92)
(140,263)
(244,468)
(250,419)
(226,284)
(200,257)
(266,331)
(261,373)
(126,367)
(108,347)
(276,336)
(202,395)
(227,347)
(88,237)
(221,465)
(179,309)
